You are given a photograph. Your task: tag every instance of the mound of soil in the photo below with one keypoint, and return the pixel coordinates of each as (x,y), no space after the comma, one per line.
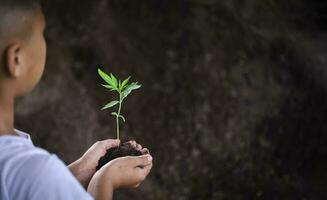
(124,149)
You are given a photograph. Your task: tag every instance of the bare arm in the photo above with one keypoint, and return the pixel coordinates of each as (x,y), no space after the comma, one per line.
(82,174)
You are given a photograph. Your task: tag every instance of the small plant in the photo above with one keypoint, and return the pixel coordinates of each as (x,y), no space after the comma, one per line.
(122,88)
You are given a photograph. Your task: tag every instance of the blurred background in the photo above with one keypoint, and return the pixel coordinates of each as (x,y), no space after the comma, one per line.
(233,103)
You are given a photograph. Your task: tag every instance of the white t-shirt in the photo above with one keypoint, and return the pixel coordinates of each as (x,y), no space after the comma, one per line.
(28,172)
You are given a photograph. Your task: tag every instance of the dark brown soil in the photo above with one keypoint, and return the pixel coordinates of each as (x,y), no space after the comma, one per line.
(124,149)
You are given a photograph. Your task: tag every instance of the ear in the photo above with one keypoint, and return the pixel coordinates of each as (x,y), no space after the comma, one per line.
(13,60)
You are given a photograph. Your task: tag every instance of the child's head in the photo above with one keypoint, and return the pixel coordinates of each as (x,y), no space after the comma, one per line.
(22,45)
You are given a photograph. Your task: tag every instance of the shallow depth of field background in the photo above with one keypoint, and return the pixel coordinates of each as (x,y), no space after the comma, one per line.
(234,96)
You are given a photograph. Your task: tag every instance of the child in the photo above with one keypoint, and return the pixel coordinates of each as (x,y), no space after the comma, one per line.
(28,172)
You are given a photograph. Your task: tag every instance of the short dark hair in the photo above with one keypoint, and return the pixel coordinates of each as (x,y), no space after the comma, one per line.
(9,5)
(11,10)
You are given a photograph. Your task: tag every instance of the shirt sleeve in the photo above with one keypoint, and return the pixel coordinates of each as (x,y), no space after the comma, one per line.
(47,177)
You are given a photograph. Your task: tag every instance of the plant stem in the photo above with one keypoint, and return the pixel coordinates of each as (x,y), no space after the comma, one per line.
(118,114)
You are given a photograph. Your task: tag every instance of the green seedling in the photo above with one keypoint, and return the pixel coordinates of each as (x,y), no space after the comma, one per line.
(122,88)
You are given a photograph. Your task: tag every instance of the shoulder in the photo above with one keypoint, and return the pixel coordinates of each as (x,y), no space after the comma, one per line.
(52,176)
(17,155)
(33,173)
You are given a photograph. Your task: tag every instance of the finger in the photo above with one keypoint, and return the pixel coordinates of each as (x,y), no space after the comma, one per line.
(135,145)
(142,173)
(148,169)
(132,143)
(145,151)
(140,161)
(138,147)
(110,143)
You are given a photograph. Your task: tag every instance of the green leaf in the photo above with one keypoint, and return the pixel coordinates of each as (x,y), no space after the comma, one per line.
(114,80)
(105,77)
(109,105)
(134,86)
(107,86)
(122,117)
(125,93)
(119,85)
(125,82)
(129,88)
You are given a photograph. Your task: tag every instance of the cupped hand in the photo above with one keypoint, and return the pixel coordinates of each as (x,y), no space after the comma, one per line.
(124,172)
(91,157)
(85,167)
(138,147)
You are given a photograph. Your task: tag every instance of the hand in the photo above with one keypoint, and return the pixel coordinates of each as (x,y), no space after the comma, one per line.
(138,147)
(124,172)
(84,168)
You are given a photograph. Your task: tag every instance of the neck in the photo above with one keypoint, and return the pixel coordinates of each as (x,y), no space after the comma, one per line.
(6,113)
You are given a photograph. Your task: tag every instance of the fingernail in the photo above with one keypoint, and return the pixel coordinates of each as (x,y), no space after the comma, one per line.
(150,158)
